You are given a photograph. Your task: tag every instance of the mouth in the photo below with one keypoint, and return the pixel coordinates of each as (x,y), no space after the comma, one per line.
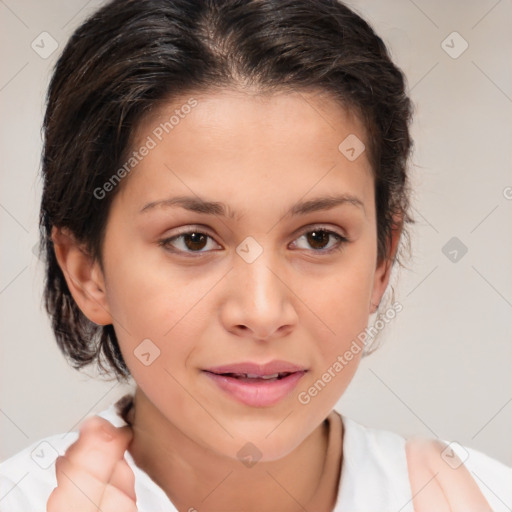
(256,385)
(252,377)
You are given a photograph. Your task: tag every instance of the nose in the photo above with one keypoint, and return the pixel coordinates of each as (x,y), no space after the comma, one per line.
(259,302)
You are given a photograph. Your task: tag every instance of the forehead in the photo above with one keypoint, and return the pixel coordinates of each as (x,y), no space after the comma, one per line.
(230,140)
(275,114)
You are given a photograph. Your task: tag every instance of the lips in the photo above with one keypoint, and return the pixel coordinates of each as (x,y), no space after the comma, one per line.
(257,385)
(273,369)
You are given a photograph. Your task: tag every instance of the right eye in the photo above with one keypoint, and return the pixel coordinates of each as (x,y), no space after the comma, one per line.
(190,242)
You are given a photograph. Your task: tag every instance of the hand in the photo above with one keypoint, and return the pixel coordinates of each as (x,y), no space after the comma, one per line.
(93,476)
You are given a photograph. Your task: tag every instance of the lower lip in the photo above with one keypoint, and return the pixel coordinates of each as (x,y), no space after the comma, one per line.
(259,393)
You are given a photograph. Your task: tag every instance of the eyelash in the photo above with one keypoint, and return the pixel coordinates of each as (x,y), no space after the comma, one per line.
(341,241)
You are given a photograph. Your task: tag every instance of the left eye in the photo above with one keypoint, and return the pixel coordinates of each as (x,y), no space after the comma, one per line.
(319,240)
(196,241)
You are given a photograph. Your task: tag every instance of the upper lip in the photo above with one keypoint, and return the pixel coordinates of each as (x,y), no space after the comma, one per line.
(260,370)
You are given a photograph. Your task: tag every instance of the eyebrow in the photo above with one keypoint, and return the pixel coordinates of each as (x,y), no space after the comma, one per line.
(198,205)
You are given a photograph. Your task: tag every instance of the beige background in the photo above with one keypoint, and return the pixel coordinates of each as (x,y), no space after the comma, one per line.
(444,369)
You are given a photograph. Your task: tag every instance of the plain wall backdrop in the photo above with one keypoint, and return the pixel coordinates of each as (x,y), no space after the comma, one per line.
(443,369)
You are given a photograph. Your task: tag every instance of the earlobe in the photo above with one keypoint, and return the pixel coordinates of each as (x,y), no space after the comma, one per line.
(384,267)
(83,275)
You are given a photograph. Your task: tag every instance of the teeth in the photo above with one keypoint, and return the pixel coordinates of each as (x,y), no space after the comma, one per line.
(253,376)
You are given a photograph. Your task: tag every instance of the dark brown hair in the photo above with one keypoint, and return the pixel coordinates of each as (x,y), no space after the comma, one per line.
(133,55)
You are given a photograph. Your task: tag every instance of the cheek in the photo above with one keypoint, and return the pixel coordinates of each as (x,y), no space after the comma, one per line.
(151,307)
(341,299)
(155,307)
(342,305)
(149,294)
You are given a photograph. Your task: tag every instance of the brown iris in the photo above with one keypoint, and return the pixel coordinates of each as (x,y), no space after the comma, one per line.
(194,240)
(317,237)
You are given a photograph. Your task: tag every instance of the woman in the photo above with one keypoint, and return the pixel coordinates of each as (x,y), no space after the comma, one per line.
(225,192)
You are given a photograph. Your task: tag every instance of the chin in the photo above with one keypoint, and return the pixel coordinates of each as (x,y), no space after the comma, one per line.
(267,444)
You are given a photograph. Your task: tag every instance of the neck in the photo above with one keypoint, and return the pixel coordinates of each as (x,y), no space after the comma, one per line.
(195,477)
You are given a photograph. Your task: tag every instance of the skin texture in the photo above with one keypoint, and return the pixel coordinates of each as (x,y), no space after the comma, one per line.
(296,302)
(438,485)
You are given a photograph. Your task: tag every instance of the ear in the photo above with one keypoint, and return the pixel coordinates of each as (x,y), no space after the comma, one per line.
(83,276)
(383,270)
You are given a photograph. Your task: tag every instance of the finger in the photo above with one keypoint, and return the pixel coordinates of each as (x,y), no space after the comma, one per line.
(124,479)
(114,500)
(77,489)
(99,447)
(80,491)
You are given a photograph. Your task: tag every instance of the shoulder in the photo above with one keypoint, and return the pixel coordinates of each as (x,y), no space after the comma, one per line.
(404,473)
(443,472)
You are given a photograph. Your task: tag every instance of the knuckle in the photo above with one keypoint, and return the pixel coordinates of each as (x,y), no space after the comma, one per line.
(92,424)
(58,463)
(57,501)
(101,429)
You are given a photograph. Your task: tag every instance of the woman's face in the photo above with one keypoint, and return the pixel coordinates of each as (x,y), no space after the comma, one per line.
(258,179)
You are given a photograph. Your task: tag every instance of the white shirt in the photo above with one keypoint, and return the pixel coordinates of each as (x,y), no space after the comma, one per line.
(374,476)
